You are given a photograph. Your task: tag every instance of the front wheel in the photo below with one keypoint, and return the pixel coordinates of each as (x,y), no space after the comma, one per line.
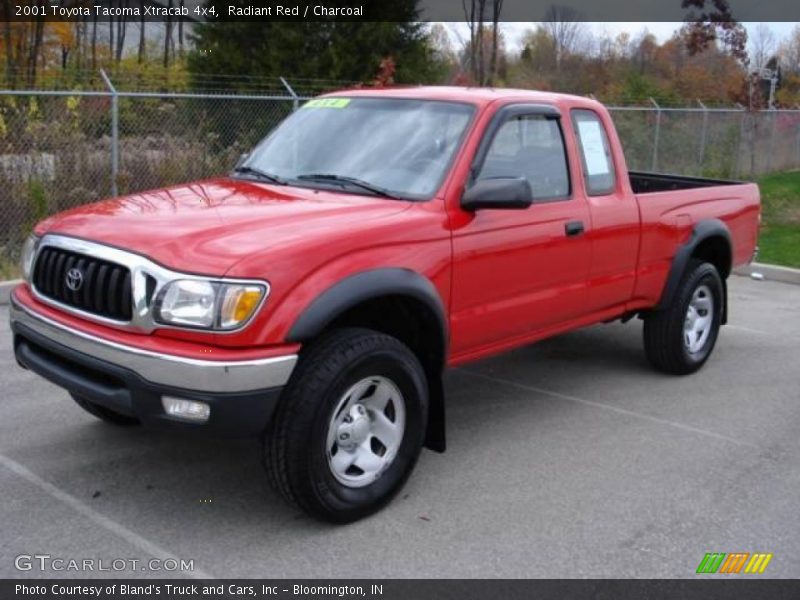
(680,339)
(350,425)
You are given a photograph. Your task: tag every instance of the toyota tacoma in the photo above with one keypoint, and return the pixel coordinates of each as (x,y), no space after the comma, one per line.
(315,295)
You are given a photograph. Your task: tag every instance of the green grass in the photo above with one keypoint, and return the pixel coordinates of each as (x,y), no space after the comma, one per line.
(780,245)
(779,239)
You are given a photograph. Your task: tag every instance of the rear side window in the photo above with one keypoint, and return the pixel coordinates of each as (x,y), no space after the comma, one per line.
(530,146)
(598,166)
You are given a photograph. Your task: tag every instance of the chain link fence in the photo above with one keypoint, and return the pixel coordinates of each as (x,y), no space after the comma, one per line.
(710,142)
(61,149)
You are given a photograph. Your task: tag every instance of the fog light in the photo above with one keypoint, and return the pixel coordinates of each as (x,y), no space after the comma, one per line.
(190,410)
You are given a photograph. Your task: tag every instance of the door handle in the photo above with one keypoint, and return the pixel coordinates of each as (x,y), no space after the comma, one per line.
(573,228)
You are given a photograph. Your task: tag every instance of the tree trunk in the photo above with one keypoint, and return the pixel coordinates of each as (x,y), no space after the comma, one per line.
(481,62)
(111,32)
(180,31)
(78,41)
(122,26)
(36,48)
(497,5)
(140,58)
(94,44)
(167,35)
(10,66)
(85,43)
(475,14)
(469,15)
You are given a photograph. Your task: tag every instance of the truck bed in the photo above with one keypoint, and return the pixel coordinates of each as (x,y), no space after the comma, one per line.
(643,182)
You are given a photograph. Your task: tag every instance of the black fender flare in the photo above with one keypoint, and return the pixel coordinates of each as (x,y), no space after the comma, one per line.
(374,284)
(358,288)
(702,231)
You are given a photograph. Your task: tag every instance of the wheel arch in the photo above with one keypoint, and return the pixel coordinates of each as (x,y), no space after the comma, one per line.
(399,302)
(710,242)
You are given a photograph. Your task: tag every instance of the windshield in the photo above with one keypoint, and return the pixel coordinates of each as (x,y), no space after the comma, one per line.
(391,147)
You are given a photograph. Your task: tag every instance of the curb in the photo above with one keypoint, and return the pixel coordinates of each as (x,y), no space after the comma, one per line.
(5,290)
(769,273)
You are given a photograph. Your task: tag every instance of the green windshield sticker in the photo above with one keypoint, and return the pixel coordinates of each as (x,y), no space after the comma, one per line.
(327,103)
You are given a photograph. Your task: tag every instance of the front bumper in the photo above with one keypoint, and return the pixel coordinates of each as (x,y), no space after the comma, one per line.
(242,394)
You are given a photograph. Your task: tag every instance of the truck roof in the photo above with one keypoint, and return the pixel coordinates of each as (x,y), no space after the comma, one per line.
(474,95)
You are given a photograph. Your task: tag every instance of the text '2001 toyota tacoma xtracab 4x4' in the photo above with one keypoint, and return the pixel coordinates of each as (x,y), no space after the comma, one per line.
(315,296)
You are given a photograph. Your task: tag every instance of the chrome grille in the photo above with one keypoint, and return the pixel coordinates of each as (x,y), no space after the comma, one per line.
(84,282)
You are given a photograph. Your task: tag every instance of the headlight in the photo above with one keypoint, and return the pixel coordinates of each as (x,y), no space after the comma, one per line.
(28,254)
(207,304)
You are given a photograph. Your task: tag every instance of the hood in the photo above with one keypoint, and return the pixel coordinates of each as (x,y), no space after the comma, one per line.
(208,226)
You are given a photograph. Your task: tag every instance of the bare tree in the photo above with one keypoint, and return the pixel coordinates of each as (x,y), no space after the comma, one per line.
(475,12)
(789,52)
(497,6)
(762,46)
(644,52)
(122,25)
(563,26)
(441,44)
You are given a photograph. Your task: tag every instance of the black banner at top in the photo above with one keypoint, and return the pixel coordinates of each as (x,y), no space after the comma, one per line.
(398,10)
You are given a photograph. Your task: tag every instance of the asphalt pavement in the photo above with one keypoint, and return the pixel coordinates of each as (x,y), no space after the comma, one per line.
(568,458)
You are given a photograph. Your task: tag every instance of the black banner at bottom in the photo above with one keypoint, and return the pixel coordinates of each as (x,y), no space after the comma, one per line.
(400,589)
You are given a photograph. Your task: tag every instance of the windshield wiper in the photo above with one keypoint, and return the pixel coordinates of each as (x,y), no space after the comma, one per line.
(260,174)
(354,181)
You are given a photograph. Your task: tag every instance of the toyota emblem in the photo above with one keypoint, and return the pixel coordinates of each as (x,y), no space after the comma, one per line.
(74,279)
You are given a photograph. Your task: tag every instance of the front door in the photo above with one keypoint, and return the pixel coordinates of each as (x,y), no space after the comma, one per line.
(516,272)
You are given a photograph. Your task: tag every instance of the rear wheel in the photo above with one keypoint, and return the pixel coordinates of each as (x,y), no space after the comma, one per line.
(350,425)
(680,338)
(104,414)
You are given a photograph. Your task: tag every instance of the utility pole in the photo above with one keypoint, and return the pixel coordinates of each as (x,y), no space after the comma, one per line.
(773,85)
(773,76)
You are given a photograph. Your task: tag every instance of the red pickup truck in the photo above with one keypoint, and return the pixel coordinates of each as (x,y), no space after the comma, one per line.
(315,296)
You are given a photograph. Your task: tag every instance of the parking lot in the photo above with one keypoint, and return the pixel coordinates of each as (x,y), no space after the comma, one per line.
(570,458)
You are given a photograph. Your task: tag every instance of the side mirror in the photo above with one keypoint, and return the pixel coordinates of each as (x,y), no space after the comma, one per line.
(501,192)
(241,161)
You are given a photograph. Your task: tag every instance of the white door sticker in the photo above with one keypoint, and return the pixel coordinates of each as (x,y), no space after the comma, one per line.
(594,151)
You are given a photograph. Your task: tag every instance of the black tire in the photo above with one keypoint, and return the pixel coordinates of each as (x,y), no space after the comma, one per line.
(104,414)
(295,447)
(664,341)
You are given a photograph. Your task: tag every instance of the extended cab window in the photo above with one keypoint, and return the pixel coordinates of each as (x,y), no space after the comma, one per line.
(530,146)
(598,166)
